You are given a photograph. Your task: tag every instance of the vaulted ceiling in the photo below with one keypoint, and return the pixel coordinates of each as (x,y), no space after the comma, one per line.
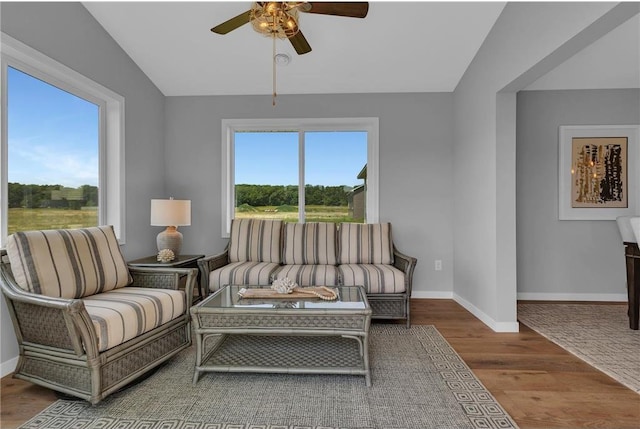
(398,47)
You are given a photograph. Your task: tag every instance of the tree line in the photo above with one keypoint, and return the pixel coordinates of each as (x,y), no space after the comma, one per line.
(51,196)
(58,196)
(280,195)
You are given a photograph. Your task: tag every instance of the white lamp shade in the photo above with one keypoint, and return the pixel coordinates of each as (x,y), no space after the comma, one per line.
(628,232)
(170,212)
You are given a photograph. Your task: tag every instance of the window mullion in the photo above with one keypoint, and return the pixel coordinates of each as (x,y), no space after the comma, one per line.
(301,177)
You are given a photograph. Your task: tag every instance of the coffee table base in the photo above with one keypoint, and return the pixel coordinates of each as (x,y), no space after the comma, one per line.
(294,354)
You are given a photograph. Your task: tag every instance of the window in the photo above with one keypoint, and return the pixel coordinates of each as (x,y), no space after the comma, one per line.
(53,152)
(297,170)
(62,146)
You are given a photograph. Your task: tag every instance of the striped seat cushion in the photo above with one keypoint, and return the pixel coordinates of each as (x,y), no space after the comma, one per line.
(365,243)
(309,275)
(122,314)
(375,278)
(68,263)
(242,273)
(310,243)
(255,240)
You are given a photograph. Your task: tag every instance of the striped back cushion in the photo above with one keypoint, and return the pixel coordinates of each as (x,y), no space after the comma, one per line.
(67,263)
(365,243)
(310,243)
(255,240)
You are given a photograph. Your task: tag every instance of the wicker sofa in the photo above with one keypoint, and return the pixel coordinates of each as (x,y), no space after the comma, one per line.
(86,323)
(261,251)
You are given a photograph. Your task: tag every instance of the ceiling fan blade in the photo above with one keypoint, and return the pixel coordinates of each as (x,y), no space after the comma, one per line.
(300,43)
(233,23)
(356,9)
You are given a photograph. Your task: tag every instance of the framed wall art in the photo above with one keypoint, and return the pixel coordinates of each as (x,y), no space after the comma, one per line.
(598,172)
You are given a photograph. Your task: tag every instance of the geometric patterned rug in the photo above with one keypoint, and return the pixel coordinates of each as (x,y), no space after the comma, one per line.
(599,334)
(418,382)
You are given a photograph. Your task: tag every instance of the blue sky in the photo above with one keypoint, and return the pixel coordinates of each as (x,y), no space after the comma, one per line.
(53,135)
(53,139)
(332,158)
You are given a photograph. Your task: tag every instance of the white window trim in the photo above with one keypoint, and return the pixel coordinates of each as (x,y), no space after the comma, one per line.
(231,126)
(112,134)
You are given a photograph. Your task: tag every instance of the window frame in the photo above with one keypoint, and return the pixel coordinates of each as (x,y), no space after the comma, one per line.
(111,181)
(300,125)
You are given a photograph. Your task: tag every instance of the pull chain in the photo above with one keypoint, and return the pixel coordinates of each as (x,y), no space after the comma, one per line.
(273,58)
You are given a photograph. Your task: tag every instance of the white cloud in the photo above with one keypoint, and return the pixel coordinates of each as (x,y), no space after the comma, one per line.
(39,164)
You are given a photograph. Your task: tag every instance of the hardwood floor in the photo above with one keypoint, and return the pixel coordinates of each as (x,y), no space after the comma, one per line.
(538,383)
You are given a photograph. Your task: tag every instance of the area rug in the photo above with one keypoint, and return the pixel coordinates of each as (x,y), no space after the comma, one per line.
(418,382)
(599,334)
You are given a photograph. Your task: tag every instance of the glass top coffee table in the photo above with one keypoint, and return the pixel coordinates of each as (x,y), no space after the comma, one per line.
(300,335)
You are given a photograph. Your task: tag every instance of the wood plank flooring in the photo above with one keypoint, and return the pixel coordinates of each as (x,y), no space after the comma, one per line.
(540,384)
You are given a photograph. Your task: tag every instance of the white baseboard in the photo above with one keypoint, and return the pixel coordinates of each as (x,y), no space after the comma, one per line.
(8,367)
(605,297)
(484,318)
(496,326)
(431,294)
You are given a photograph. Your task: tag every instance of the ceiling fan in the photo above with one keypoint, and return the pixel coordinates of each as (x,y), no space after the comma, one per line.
(280,19)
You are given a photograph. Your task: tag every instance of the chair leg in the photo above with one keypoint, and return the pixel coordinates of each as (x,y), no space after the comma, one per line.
(408,312)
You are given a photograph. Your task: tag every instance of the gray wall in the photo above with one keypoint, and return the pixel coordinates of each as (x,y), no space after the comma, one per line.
(564,259)
(512,56)
(415,166)
(67,33)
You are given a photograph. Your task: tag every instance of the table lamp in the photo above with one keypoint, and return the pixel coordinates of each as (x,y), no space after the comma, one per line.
(172,214)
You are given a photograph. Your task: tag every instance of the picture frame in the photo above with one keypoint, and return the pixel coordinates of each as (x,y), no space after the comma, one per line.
(598,177)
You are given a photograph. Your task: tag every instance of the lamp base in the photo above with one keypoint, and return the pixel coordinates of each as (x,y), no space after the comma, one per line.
(171,239)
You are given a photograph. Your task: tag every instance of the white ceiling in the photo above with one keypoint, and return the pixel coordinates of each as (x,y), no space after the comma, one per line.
(398,47)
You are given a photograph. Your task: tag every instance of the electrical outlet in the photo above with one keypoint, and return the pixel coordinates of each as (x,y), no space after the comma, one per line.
(438,265)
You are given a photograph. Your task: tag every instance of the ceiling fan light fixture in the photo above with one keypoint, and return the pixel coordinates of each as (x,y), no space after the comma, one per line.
(272,7)
(280,20)
(275,19)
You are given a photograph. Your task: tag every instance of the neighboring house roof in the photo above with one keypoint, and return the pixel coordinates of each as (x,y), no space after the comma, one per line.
(357,189)
(363,173)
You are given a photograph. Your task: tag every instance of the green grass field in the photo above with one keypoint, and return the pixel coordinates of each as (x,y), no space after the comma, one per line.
(312,214)
(28,219)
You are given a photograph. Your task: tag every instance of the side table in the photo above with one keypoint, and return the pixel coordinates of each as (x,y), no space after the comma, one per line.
(181,261)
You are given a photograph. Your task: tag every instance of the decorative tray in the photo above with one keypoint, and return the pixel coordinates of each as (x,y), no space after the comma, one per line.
(312,292)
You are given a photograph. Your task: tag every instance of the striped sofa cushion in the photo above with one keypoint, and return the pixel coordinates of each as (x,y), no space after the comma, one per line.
(67,263)
(310,243)
(375,278)
(255,240)
(365,243)
(242,273)
(122,314)
(309,275)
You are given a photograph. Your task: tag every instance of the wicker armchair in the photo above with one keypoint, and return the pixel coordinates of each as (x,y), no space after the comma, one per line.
(61,348)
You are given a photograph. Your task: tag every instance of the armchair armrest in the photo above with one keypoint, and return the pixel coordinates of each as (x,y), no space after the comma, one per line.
(165,278)
(55,323)
(210,263)
(406,264)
